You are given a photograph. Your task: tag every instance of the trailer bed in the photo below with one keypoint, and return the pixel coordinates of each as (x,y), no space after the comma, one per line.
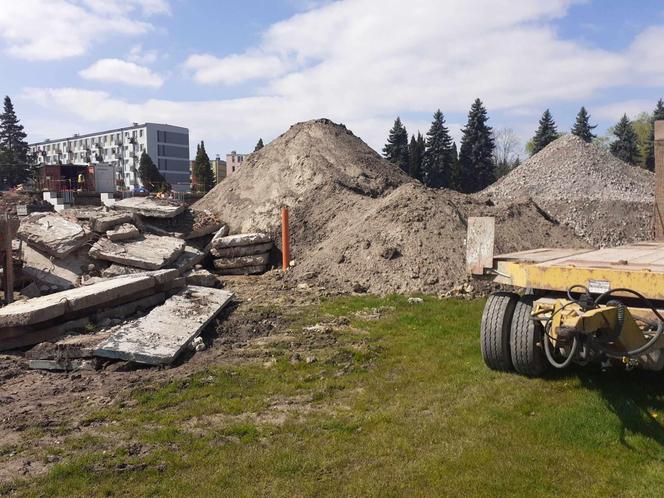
(637,266)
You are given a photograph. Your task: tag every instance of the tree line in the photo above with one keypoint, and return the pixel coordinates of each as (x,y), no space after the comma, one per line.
(485,155)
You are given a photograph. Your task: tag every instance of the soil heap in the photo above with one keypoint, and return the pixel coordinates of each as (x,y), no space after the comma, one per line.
(358,222)
(603,199)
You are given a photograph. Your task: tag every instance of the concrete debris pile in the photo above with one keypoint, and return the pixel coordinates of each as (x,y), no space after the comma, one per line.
(604,200)
(357,222)
(78,247)
(100,314)
(241,254)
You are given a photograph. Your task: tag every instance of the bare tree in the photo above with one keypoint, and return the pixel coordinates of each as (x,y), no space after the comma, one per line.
(506,153)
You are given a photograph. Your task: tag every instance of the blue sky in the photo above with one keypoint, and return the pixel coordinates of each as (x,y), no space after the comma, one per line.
(235,71)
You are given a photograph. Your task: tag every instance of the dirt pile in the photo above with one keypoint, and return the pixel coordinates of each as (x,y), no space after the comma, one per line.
(603,199)
(357,222)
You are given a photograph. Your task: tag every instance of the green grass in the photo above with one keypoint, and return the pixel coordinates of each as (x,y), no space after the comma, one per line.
(401,406)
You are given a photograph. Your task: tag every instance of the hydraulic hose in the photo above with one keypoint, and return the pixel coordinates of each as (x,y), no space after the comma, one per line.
(549,355)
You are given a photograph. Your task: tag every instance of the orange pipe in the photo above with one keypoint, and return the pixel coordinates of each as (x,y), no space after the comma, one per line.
(285,239)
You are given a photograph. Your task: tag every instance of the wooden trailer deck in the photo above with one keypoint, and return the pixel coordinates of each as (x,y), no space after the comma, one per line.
(636,266)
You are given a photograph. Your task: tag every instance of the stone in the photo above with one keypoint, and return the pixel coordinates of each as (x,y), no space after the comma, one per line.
(64,364)
(150,207)
(234,252)
(52,234)
(160,336)
(189,258)
(242,261)
(126,231)
(247,270)
(106,221)
(149,252)
(62,273)
(118,270)
(31,290)
(242,239)
(415,300)
(202,278)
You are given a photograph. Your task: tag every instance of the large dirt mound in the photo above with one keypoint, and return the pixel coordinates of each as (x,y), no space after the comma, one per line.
(313,161)
(603,199)
(357,221)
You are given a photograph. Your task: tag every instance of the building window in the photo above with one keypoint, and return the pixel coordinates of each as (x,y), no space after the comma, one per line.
(140,133)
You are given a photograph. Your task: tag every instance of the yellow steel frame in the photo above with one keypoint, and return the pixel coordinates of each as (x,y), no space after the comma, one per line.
(560,278)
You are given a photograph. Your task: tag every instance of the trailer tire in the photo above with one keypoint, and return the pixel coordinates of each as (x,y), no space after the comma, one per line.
(526,340)
(495,330)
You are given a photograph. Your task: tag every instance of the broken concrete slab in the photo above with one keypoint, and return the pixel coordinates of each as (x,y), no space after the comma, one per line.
(116,270)
(65,365)
(52,234)
(129,309)
(150,207)
(68,347)
(45,308)
(149,252)
(106,221)
(201,278)
(242,261)
(31,290)
(126,231)
(247,270)
(159,337)
(21,337)
(61,273)
(189,258)
(241,239)
(234,252)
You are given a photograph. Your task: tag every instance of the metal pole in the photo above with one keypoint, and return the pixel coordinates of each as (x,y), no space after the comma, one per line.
(285,239)
(659,180)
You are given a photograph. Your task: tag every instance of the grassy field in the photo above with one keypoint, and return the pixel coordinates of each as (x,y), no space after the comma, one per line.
(400,406)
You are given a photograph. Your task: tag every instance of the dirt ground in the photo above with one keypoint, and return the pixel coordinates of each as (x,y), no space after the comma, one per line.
(40,407)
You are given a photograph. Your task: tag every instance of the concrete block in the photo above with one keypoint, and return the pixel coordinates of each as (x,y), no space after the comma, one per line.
(189,258)
(241,239)
(126,231)
(234,252)
(150,207)
(247,270)
(106,221)
(242,261)
(52,234)
(149,252)
(159,337)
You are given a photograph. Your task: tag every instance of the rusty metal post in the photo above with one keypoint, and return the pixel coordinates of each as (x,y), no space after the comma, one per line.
(659,180)
(285,239)
(6,236)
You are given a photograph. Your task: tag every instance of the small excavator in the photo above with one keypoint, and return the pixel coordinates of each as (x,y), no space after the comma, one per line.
(576,306)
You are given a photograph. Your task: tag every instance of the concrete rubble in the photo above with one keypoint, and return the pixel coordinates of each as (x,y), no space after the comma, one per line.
(52,234)
(101,223)
(159,337)
(149,252)
(28,322)
(126,231)
(241,254)
(150,207)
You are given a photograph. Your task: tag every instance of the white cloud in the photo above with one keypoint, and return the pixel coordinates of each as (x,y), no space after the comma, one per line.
(614,111)
(362,65)
(141,56)
(208,69)
(57,29)
(119,71)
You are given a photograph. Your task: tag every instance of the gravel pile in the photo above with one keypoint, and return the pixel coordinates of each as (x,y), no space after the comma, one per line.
(604,200)
(357,222)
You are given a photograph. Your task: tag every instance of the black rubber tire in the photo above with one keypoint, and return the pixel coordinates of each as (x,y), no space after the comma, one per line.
(526,340)
(495,330)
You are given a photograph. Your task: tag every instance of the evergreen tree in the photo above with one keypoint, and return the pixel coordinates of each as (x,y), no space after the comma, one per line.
(546,132)
(259,145)
(476,169)
(415,156)
(15,166)
(438,163)
(626,145)
(202,170)
(657,115)
(582,127)
(396,148)
(150,176)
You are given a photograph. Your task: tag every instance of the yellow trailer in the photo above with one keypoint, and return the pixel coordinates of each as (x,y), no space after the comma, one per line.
(575,306)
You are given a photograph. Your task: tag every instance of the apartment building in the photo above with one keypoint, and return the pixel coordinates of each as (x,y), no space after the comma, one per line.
(167,145)
(233,162)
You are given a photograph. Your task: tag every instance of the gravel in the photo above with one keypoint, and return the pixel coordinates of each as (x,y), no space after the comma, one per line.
(603,199)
